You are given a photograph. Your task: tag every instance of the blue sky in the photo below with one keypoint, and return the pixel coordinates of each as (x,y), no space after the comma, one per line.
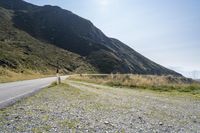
(166,31)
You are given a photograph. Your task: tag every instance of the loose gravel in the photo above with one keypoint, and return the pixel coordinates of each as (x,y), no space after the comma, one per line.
(84,107)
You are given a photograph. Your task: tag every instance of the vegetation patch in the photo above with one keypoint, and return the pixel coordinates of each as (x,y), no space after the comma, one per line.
(71,124)
(9,75)
(149,82)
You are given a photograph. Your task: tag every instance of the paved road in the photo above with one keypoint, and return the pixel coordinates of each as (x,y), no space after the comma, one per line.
(11,92)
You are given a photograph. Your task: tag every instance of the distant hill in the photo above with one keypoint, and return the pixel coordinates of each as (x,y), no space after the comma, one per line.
(36,37)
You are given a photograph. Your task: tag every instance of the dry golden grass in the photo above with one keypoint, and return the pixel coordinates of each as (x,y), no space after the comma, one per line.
(151,82)
(7,75)
(134,80)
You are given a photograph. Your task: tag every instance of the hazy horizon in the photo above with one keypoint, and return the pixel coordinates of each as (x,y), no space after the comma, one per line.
(167,32)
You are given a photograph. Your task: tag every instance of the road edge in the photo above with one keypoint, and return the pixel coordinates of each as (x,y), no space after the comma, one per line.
(13,100)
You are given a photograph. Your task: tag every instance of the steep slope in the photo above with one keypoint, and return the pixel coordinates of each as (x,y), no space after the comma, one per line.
(62,28)
(20,51)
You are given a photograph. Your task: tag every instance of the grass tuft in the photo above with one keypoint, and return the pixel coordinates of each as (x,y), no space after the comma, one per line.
(149,82)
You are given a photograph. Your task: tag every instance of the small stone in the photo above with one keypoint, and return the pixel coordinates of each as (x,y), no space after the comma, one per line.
(55,129)
(106,122)
(17,117)
(160,123)
(21,108)
(195,121)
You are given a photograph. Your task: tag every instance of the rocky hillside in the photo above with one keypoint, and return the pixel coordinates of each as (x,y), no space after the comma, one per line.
(47,25)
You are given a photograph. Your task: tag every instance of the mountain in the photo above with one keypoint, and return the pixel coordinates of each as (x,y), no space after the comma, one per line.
(20,52)
(56,28)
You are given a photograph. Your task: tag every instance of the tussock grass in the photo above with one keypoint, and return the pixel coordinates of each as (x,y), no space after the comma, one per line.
(8,75)
(150,82)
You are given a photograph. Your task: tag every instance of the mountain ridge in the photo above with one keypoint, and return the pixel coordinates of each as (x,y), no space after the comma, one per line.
(64,29)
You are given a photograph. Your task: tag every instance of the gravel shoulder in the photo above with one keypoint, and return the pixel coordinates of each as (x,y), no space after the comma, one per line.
(85,107)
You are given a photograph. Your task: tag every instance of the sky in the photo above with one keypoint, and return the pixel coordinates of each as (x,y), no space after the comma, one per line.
(165,31)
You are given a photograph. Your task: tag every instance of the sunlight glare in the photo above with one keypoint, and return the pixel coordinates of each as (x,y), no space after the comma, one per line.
(104,3)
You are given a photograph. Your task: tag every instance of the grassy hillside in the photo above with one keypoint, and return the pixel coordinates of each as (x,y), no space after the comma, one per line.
(8,75)
(19,53)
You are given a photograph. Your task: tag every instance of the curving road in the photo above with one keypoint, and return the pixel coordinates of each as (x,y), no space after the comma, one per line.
(11,92)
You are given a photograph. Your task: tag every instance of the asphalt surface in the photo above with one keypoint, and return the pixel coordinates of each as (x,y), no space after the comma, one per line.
(12,92)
